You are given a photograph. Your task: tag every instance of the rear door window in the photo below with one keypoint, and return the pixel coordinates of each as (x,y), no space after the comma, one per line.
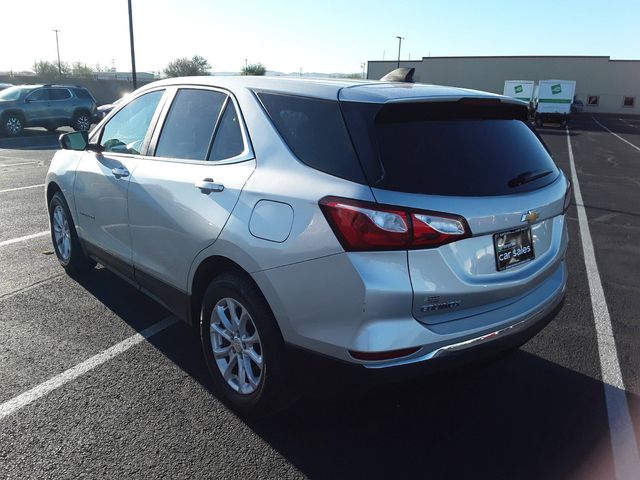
(315,132)
(188,129)
(228,142)
(59,94)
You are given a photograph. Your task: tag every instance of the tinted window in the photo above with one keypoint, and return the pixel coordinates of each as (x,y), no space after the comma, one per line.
(315,132)
(228,142)
(188,130)
(39,95)
(462,157)
(467,147)
(125,132)
(83,94)
(59,94)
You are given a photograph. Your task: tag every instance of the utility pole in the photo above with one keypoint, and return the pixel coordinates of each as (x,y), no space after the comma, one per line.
(246,66)
(58,50)
(399,47)
(133,53)
(363,64)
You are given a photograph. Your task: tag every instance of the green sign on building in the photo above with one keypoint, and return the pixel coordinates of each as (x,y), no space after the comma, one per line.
(556,89)
(518,88)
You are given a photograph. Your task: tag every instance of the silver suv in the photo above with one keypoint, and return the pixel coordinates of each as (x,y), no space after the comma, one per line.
(49,106)
(378,224)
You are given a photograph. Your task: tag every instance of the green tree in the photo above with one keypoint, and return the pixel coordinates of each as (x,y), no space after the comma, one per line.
(184,67)
(45,68)
(79,69)
(254,69)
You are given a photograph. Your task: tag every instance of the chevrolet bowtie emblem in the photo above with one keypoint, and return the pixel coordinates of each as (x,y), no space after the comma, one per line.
(530,216)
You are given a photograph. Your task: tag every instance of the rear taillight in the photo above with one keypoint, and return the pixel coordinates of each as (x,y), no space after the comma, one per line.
(567,196)
(370,226)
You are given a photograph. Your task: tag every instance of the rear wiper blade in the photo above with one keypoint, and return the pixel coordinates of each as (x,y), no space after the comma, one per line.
(527,177)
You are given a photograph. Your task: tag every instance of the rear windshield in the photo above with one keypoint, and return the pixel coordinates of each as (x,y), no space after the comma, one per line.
(445,153)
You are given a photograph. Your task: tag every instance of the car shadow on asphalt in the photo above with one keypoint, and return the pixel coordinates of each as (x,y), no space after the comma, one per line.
(33,139)
(518,417)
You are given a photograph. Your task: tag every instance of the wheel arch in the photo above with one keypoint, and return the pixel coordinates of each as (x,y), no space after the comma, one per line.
(208,269)
(52,188)
(79,110)
(13,111)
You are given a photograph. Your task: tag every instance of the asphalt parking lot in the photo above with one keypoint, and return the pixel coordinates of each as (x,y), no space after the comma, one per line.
(542,412)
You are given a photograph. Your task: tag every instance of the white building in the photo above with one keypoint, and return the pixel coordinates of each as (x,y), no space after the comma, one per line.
(603,85)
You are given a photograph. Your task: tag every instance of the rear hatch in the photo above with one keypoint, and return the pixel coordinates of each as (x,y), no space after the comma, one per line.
(475,158)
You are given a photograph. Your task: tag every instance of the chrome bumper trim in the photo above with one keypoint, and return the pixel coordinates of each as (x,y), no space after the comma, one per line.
(471,343)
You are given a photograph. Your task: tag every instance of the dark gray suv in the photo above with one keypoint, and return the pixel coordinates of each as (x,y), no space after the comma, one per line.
(49,106)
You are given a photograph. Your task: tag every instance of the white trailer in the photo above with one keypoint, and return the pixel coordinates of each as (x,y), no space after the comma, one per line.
(553,101)
(519,89)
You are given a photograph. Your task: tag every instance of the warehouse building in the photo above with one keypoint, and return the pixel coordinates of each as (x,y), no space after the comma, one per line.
(602,84)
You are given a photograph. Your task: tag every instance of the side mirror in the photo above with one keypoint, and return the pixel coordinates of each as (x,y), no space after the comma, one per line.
(74,140)
(78,141)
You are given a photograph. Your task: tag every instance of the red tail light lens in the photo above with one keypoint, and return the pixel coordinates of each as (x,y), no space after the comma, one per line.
(370,226)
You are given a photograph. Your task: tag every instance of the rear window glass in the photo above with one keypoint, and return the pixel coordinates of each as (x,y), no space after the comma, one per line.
(445,153)
(315,132)
(188,130)
(83,94)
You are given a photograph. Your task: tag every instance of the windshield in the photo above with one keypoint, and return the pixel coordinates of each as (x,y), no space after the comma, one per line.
(11,93)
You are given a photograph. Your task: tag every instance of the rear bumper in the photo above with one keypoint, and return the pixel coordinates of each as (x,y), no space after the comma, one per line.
(553,117)
(330,372)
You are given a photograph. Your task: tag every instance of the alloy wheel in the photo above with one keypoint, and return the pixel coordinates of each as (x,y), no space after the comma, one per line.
(13,125)
(62,233)
(236,346)
(83,122)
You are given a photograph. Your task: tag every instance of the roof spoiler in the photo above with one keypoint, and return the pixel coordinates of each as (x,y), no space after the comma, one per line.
(402,74)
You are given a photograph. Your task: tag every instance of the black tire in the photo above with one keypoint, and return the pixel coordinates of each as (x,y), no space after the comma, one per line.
(75,261)
(12,124)
(274,390)
(81,121)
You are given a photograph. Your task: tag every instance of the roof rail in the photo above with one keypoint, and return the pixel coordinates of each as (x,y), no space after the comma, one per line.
(402,74)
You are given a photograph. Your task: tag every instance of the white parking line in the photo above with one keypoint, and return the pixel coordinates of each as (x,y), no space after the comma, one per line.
(15,164)
(21,188)
(623,440)
(22,239)
(616,135)
(39,391)
(629,123)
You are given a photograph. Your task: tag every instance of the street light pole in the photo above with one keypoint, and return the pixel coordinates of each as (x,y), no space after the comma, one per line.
(246,66)
(399,46)
(133,53)
(58,50)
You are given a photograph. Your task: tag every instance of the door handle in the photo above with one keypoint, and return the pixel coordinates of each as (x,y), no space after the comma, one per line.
(208,185)
(120,172)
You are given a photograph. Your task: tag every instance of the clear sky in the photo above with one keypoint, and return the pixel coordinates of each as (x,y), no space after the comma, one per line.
(321,35)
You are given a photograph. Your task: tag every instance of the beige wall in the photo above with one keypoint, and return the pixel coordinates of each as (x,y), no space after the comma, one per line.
(610,79)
